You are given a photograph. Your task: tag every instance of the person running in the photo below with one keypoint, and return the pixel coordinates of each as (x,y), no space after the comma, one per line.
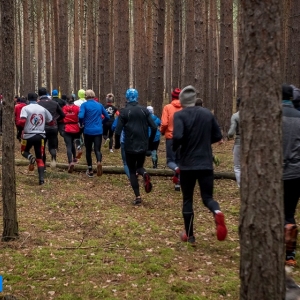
(51,130)
(81,100)
(234,130)
(122,141)
(166,129)
(33,118)
(291,171)
(156,140)
(195,129)
(112,111)
(135,120)
(90,117)
(19,125)
(72,131)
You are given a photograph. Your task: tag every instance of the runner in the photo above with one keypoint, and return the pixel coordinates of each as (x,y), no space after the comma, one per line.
(90,117)
(34,117)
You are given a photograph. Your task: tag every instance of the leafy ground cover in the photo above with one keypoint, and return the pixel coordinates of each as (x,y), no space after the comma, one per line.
(80,238)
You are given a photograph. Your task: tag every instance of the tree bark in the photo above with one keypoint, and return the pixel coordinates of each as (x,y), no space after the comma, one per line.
(261,213)
(10,221)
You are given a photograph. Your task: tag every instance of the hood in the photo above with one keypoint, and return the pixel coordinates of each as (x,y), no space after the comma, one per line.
(81,94)
(176,103)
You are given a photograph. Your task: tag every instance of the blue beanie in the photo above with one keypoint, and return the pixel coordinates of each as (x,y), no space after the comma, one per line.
(54,93)
(132,95)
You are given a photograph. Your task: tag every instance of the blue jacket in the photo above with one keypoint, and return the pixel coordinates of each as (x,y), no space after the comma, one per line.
(113,128)
(157,121)
(90,116)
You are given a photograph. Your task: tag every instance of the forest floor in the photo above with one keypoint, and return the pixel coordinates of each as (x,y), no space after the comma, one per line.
(81,238)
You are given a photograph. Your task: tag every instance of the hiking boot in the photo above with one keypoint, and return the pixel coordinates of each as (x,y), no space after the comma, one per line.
(221,227)
(291,262)
(79,152)
(147,183)
(137,201)
(99,169)
(89,173)
(31,159)
(191,239)
(106,142)
(71,167)
(177,187)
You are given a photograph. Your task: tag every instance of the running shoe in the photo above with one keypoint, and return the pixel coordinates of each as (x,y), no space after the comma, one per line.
(99,169)
(79,152)
(31,159)
(147,183)
(137,201)
(106,142)
(89,173)
(71,167)
(220,226)
(191,239)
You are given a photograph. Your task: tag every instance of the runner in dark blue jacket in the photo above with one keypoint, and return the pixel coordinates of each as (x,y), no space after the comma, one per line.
(90,116)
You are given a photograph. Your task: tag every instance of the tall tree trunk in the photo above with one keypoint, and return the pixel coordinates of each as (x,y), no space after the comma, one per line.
(47,42)
(56,41)
(122,51)
(10,222)
(26,52)
(76,47)
(189,70)
(40,56)
(176,79)
(261,213)
(158,97)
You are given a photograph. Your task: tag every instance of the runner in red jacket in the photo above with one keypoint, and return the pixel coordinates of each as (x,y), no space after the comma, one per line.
(72,130)
(21,102)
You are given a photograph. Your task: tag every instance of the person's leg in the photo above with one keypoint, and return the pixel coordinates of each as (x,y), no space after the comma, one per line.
(25,151)
(69,141)
(110,136)
(88,141)
(131,163)
(44,154)
(126,170)
(140,160)
(79,144)
(291,197)
(97,150)
(206,184)
(61,128)
(154,154)
(236,163)
(172,164)
(39,149)
(52,145)
(188,181)
(19,132)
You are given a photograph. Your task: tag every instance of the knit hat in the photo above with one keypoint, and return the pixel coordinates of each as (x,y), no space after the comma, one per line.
(175,93)
(54,93)
(132,95)
(287,92)
(150,109)
(32,96)
(42,91)
(188,96)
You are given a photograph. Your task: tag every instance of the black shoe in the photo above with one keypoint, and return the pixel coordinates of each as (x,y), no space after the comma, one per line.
(89,173)
(41,182)
(177,187)
(137,201)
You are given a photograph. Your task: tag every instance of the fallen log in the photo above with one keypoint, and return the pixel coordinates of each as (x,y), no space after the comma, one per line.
(120,170)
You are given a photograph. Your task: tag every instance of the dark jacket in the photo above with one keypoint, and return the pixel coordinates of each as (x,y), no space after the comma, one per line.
(291,141)
(61,102)
(54,109)
(135,120)
(195,129)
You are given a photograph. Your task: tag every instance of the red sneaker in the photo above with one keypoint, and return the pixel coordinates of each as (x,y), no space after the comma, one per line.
(221,227)
(147,183)
(184,238)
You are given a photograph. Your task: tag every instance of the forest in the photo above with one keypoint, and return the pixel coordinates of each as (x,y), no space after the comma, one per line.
(226,49)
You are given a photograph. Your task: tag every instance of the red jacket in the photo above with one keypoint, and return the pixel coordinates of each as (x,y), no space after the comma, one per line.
(18,109)
(71,119)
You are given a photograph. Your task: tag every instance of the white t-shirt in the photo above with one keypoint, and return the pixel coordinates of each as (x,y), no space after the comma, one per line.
(79,102)
(36,118)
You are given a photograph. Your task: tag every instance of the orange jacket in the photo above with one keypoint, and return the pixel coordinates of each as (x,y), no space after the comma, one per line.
(169,110)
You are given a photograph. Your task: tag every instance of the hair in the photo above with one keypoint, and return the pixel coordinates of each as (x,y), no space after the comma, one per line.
(64,97)
(238,102)
(70,98)
(90,94)
(199,102)
(31,97)
(42,91)
(110,96)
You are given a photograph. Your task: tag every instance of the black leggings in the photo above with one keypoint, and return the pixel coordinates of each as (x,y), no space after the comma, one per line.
(291,196)
(135,163)
(89,140)
(69,140)
(108,133)
(188,180)
(37,142)
(52,141)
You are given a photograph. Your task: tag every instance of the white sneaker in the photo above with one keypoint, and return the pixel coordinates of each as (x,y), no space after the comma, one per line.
(111,150)
(53,163)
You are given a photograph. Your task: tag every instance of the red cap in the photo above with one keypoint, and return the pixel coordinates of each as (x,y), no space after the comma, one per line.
(175,93)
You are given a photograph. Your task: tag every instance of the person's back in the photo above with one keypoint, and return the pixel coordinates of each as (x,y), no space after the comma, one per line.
(196,129)
(55,97)
(81,96)
(71,119)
